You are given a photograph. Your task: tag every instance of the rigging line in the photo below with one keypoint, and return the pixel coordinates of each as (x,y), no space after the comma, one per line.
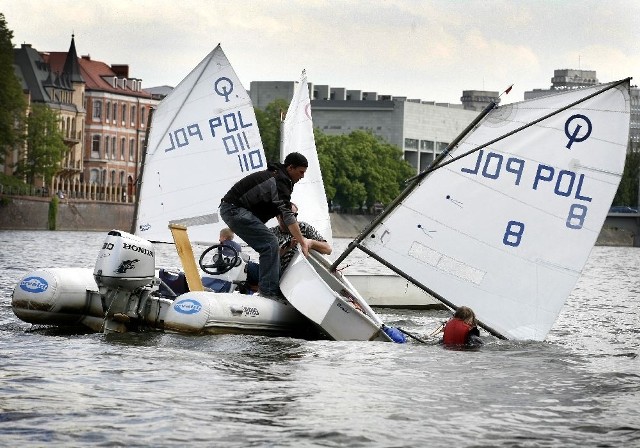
(136,206)
(412,336)
(438,330)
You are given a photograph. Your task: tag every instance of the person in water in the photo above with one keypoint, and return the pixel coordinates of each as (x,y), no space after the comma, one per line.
(462,328)
(253,201)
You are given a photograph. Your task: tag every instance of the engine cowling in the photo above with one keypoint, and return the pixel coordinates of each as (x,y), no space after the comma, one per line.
(125,262)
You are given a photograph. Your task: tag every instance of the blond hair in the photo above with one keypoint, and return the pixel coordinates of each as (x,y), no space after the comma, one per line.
(226,234)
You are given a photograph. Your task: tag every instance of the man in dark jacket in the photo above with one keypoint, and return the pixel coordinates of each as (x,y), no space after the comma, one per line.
(253,201)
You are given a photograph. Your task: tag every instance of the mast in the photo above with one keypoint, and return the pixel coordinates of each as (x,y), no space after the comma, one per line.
(134,222)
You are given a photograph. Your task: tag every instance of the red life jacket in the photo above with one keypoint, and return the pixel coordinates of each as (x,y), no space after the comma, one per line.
(456,331)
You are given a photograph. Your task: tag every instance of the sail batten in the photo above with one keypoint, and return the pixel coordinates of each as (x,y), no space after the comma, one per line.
(506,223)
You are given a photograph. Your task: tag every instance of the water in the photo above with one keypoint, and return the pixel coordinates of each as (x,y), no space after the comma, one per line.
(578,388)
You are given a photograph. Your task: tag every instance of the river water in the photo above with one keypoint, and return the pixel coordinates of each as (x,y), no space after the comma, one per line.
(581,387)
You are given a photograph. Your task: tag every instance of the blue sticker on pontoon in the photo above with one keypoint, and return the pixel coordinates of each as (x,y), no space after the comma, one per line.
(34,284)
(188,306)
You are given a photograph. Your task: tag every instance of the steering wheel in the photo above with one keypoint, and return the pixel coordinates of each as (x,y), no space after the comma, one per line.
(219,263)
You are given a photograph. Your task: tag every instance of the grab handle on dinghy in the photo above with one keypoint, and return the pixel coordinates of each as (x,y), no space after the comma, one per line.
(185,252)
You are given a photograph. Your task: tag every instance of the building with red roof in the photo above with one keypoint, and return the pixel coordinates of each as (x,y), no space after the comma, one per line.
(111,112)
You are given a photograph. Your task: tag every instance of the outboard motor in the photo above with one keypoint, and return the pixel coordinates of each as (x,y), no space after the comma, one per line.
(125,264)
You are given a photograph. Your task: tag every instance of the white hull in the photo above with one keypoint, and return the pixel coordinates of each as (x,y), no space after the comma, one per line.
(330,301)
(392,291)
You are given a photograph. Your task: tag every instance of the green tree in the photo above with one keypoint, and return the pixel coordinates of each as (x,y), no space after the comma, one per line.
(269,124)
(12,101)
(361,169)
(627,193)
(45,145)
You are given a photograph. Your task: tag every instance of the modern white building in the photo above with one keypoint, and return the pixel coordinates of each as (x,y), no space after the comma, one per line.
(422,129)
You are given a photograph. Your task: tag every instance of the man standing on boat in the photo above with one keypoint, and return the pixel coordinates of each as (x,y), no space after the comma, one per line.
(253,201)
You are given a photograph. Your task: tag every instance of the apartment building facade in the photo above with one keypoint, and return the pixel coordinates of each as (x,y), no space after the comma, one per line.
(62,91)
(110,125)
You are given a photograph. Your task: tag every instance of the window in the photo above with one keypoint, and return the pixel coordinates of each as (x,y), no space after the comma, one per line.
(123,142)
(142,119)
(112,177)
(113,147)
(133,116)
(97,110)
(108,111)
(106,146)
(94,176)
(124,114)
(121,177)
(426,145)
(95,147)
(411,143)
(132,148)
(115,112)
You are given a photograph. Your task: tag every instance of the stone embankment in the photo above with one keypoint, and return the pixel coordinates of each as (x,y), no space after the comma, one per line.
(20,213)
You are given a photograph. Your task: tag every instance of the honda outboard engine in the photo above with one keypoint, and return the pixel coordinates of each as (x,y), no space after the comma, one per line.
(126,263)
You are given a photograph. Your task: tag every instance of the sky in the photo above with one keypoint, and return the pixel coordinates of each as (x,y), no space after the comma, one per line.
(426,49)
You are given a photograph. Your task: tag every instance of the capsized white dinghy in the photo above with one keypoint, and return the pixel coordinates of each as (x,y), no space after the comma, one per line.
(324,296)
(505,219)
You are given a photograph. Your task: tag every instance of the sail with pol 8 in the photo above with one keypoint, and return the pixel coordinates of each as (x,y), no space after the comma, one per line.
(505,220)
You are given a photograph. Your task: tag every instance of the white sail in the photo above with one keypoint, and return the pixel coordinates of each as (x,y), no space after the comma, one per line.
(204,137)
(507,229)
(308,193)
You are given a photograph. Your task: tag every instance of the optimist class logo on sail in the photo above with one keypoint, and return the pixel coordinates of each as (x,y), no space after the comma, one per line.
(231,129)
(564,183)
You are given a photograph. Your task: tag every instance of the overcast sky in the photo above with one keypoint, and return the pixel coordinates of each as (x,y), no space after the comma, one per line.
(432,50)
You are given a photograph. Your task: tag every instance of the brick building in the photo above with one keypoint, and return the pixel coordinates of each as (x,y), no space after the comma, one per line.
(62,91)
(106,120)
